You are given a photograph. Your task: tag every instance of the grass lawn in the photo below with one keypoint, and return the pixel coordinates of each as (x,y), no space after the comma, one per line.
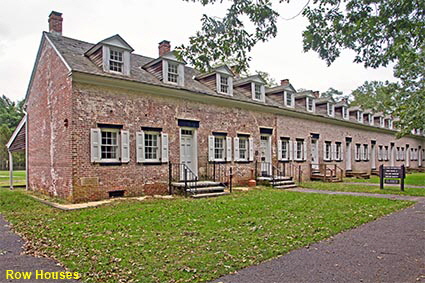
(341,187)
(417,179)
(185,240)
(18,178)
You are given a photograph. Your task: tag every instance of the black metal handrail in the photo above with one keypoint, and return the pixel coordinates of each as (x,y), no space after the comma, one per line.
(180,172)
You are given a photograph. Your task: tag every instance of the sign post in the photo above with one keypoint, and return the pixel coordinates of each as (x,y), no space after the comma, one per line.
(392,172)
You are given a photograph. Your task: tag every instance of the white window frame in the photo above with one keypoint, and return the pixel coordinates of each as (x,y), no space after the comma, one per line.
(284,149)
(262,91)
(358,152)
(299,150)
(338,151)
(237,142)
(380,152)
(158,146)
(117,145)
(359,117)
(313,104)
(229,85)
(365,152)
(165,72)
(330,109)
(370,118)
(345,113)
(386,157)
(173,72)
(286,96)
(327,151)
(116,61)
(381,122)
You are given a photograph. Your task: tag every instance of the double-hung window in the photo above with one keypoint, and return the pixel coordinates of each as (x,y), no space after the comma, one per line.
(359,117)
(109,144)
(386,153)
(397,153)
(338,151)
(243,150)
(116,61)
(284,149)
(345,113)
(219,147)
(327,154)
(310,104)
(173,72)
(258,93)
(365,152)
(224,84)
(289,99)
(358,152)
(299,150)
(380,153)
(330,107)
(152,145)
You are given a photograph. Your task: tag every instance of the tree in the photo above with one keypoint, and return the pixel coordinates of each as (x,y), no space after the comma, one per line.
(270,82)
(375,95)
(335,94)
(10,112)
(380,32)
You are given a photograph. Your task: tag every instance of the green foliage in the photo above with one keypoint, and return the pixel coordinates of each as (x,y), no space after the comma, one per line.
(5,134)
(224,39)
(379,96)
(270,82)
(185,240)
(10,112)
(379,32)
(335,94)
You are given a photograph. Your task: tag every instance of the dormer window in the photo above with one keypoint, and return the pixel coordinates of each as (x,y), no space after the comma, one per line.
(173,73)
(359,117)
(116,61)
(370,119)
(310,104)
(345,113)
(381,122)
(331,109)
(224,84)
(289,99)
(258,91)
(390,125)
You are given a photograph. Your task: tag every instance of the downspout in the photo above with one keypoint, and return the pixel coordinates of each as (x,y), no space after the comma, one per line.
(26,149)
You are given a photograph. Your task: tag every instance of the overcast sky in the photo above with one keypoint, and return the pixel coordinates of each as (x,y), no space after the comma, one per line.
(144,23)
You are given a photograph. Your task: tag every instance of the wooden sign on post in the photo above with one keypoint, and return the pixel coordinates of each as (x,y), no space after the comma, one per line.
(393,172)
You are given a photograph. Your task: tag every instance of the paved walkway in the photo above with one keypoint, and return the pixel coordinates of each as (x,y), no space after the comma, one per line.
(12,259)
(390,249)
(386,185)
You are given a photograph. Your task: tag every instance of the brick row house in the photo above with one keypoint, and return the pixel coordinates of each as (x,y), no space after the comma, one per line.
(104,121)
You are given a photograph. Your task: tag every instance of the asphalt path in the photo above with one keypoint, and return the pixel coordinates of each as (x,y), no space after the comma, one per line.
(390,249)
(13,260)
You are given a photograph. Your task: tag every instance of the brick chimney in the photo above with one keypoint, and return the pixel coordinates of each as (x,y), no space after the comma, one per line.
(55,22)
(164,47)
(284,82)
(316,94)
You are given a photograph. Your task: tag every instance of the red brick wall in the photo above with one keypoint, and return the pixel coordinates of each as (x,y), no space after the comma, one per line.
(133,110)
(48,105)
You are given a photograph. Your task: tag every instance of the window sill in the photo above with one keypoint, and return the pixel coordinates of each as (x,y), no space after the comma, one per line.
(242,161)
(151,163)
(110,163)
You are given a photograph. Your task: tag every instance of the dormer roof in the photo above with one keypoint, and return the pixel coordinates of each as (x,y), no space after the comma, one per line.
(306,93)
(251,79)
(341,103)
(355,108)
(368,111)
(280,88)
(326,99)
(113,41)
(378,114)
(223,69)
(171,56)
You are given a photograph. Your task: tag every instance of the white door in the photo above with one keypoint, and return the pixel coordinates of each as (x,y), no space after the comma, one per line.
(265,155)
(314,154)
(188,152)
(373,154)
(348,156)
